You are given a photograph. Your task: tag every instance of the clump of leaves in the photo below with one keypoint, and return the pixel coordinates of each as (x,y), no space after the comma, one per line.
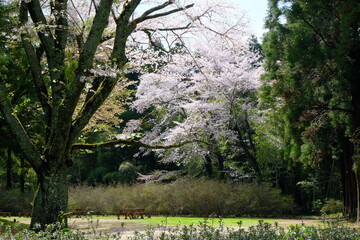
(332,206)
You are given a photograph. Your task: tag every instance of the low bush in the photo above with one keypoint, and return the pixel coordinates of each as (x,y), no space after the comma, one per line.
(332,206)
(15,201)
(185,197)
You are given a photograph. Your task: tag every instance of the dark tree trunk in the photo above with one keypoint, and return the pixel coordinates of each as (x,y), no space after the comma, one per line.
(208,166)
(22,175)
(9,173)
(348,180)
(51,197)
(221,161)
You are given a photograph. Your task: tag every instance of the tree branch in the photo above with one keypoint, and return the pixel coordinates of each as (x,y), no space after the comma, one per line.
(317,32)
(39,20)
(17,129)
(152,43)
(118,57)
(146,15)
(123,30)
(131,142)
(92,105)
(35,68)
(167,29)
(61,32)
(87,55)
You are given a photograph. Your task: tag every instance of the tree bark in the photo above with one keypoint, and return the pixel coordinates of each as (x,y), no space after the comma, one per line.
(50,204)
(9,173)
(348,180)
(221,161)
(208,166)
(22,175)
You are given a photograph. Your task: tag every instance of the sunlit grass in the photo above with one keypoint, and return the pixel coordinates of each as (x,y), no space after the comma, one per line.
(195,221)
(215,222)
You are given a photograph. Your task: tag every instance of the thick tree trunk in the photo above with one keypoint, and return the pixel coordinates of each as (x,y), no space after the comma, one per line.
(51,200)
(9,173)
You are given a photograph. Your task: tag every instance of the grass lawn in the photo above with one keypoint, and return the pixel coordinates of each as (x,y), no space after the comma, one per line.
(226,222)
(111,223)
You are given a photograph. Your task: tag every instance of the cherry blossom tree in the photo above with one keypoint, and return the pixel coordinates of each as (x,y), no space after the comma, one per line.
(78,52)
(202,95)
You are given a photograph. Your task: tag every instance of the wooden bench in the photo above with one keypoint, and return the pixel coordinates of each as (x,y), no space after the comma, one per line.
(78,212)
(134,213)
(5,214)
(25,213)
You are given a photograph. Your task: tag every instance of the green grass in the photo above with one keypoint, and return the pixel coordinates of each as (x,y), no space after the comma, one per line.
(227,222)
(215,222)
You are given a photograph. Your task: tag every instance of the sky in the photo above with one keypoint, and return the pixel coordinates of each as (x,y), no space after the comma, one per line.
(256,12)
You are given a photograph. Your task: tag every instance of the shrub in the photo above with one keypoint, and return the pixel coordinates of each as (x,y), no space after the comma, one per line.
(332,206)
(15,201)
(185,197)
(127,173)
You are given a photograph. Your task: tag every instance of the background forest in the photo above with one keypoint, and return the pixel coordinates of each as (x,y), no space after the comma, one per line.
(282,112)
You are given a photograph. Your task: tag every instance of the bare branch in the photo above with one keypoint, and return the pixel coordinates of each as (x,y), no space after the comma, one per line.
(147,16)
(167,29)
(157,8)
(154,44)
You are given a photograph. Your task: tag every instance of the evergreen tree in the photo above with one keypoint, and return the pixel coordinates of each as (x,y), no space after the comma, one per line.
(312,58)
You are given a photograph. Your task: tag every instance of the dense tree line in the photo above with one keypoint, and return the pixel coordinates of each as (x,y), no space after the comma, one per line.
(312,62)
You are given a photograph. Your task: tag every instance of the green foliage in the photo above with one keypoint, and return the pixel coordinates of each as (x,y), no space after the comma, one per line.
(312,65)
(332,206)
(185,197)
(127,173)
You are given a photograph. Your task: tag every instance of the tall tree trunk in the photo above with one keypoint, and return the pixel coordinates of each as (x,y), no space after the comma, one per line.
(51,198)
(358,198)
(208,166)
(9,173)
(221,161)
(22,175)
(348,180)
